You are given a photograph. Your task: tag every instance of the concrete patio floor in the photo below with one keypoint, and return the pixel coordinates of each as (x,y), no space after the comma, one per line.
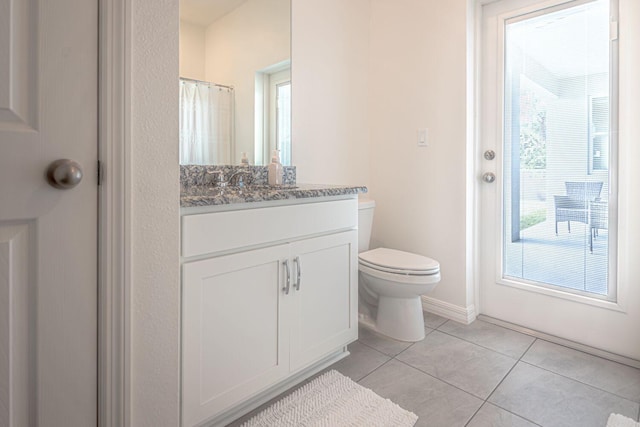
(563,260)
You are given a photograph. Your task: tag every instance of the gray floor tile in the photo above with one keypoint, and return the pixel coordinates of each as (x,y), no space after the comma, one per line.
(381,343)
(502,340)
(433,321)
(609,376)
(460,363)
(552,400)
(492,416)
(362,361)
(435,402)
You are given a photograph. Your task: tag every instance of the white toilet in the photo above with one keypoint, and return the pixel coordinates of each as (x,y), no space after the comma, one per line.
(390,284)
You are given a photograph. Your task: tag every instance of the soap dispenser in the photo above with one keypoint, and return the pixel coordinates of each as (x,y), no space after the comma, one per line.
(244,161)
(275,169)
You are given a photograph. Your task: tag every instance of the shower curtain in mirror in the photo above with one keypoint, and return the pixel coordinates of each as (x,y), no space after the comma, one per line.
(206,123)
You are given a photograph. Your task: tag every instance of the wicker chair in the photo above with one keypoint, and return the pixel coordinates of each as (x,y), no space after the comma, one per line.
(598,220)
(575,205)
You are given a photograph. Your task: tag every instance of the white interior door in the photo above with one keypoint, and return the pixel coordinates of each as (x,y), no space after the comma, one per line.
(48,236)
(549,239)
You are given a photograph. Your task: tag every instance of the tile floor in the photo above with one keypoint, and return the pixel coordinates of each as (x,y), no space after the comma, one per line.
(485,375)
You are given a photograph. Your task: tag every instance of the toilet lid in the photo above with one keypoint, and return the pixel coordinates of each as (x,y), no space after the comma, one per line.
(392,260)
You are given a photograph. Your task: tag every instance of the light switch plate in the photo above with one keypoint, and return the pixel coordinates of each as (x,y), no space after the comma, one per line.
(423,137)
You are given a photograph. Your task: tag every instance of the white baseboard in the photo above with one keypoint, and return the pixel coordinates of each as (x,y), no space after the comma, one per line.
(563,342)
(464,315)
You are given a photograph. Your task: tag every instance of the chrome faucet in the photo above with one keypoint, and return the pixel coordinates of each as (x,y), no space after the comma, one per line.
(238,178)
(215,178)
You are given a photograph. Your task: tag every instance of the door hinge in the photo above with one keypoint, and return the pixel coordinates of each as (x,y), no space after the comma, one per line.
(100,172)
(613,30)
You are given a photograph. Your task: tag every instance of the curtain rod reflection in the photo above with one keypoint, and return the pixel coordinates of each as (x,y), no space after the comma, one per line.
(206,83)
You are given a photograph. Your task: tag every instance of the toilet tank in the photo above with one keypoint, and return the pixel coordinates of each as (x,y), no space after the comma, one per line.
(365,222)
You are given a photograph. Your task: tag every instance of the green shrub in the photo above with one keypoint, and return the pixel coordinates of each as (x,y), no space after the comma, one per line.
(533,218)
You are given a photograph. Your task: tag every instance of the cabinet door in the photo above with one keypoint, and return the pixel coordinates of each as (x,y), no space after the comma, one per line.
(234,342)
(326,302)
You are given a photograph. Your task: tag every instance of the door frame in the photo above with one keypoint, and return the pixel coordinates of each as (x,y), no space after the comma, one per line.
(614,300)
(474,148)
(114,215)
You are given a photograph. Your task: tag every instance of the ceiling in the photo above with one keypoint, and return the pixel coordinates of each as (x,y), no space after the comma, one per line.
(556,40)
(204,12)
(569,43)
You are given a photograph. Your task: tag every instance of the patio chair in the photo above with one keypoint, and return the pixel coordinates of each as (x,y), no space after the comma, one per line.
(575,205)
(598,220)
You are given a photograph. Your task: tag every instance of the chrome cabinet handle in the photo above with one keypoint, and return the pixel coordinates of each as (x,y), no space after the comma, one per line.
(64,174)
(288,282)
(296,261)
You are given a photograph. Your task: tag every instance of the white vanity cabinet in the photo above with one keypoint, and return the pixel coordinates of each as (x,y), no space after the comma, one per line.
(259,315)
(323,316)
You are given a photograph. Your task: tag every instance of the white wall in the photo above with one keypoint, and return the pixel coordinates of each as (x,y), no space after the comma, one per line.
(418,80)
(192,51)
(330,78)
(252,37)
(567,154)
(154,212)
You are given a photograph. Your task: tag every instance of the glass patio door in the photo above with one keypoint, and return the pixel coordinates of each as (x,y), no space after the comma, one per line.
(556,144)
(548,203)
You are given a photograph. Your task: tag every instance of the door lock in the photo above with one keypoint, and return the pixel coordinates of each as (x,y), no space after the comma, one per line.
(489,177)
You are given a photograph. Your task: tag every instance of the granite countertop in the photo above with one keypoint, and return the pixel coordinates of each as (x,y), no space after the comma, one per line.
(193,196)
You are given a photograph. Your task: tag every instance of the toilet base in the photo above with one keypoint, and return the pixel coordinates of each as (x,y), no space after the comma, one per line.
(399,318)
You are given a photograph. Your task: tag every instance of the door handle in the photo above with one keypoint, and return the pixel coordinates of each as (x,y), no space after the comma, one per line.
(64,174)
(288,281)
(296,261)
(489,177)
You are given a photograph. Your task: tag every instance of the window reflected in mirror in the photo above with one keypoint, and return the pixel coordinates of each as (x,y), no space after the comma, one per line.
(239,49)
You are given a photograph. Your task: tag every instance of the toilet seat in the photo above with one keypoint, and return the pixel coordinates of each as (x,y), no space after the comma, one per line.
(396,279)
(398,262)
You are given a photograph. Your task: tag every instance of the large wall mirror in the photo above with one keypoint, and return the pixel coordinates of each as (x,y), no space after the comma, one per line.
(235,81)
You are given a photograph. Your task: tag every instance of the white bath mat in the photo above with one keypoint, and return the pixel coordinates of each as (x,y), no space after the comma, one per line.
(333,400)
(617,420)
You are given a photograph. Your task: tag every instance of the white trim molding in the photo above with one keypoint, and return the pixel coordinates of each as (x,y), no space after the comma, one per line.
(114,213)
(563,342)
(474,159)
(454,312)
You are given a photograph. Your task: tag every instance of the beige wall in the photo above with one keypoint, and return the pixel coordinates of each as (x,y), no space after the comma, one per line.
(389,78)
(154,315)
(330,77)
(192,51)
(418,80)
(250,38)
